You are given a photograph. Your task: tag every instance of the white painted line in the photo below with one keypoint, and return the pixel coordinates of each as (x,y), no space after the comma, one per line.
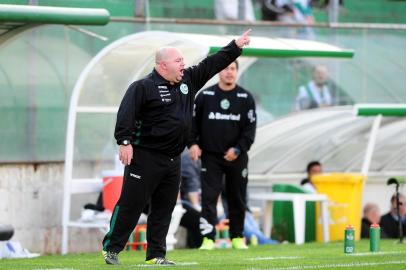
(187,263)
(321,266)
(54,269)
(158,265)
(274,258)
(375,253)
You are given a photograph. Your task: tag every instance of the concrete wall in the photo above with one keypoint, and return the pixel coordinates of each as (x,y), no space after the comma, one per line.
(31,201)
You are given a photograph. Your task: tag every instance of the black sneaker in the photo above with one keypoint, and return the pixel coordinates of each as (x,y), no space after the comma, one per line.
(158,260)
(110,257)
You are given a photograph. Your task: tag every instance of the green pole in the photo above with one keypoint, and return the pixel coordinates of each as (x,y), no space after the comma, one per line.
(53,15)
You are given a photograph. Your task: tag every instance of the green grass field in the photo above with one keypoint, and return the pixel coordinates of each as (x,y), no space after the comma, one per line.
(287,256)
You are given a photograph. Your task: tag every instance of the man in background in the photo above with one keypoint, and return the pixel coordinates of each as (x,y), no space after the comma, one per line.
(389,222)
(313,168)
(224,126)
(372,215)
(315,93)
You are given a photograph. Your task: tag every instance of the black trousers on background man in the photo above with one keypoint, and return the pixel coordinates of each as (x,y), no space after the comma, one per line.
(152,178)
(214,167)
(190,221)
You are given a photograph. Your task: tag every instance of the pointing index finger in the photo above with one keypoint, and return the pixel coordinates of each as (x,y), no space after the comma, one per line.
(246,33)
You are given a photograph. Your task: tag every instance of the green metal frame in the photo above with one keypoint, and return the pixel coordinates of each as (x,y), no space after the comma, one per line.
(53,15)
(389,110)
(254,52)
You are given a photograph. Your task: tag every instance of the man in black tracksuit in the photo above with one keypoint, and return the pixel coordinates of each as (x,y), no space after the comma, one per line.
(152,128)
(223,131)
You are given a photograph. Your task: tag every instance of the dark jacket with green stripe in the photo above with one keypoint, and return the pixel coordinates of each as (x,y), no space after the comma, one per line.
(157,115)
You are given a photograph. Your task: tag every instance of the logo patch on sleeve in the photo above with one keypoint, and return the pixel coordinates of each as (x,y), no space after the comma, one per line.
(244,173)
(251,116)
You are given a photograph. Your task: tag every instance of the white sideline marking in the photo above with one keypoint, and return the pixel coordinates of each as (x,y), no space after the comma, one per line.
(158,265)
(375,253)
(54,269)
(274,258)
(362,264)
(186,263)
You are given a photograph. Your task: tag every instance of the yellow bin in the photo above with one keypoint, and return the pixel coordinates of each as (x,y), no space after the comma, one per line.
(344,191)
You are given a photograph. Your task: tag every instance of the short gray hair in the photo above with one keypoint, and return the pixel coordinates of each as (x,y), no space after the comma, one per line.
(162,53)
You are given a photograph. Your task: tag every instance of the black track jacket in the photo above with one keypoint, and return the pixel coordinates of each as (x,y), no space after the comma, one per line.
(157,115)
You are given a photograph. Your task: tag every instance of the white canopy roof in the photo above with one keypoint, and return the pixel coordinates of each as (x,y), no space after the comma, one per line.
(334,136)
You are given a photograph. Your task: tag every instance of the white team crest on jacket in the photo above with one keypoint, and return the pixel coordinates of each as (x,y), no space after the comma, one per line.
(225,104)
(184,89)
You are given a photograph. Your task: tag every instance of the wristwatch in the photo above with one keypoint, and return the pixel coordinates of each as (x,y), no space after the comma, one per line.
(125,142)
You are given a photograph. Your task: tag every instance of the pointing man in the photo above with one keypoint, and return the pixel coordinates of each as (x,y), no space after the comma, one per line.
(153,124)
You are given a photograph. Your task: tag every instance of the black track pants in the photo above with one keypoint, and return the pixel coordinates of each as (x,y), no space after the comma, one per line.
(150,178)
(214,167)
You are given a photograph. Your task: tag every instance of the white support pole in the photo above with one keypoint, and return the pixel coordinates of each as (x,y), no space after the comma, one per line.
(333,11)
(68,176)
(69,148)
(147,16)
(241,10)
(371,145)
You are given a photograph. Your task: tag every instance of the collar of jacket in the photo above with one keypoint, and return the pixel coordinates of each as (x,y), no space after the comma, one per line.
(159,80)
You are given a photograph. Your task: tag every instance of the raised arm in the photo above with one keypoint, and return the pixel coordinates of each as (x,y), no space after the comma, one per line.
(214,63)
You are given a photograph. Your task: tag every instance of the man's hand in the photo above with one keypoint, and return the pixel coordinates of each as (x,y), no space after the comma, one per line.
(195,152)
(244,39)
(125,154)
(230,154)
